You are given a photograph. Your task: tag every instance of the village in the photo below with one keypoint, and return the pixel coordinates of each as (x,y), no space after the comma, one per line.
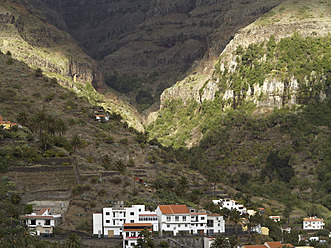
(167,222)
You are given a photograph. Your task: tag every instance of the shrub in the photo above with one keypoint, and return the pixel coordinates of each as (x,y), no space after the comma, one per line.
(38,72)
(78,189)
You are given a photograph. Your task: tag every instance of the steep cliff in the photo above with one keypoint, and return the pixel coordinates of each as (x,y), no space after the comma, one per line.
(156,42)
(35,34)
(281,59)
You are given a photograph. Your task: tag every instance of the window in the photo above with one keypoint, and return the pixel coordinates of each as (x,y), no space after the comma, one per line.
(46,231)
(33,222)
(131,221)
(168,226)
(185,225)
(107,221)
(177,218)
(47,222)
(201,224)
(202,218)
(107,213)
(139,210)
(131,213)
(178,225)
(168,218)
(184,218)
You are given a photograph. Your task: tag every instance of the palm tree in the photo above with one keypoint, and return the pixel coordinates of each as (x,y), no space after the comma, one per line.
(23,118)
(220,242)
(235,217)
(73,241)
(76,142)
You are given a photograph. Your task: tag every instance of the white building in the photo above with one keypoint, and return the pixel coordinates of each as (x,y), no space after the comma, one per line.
(110,222)
(43,222)
(230,204)
(215,224)
(173,218)
(131,233)
(313,223)
(275,218)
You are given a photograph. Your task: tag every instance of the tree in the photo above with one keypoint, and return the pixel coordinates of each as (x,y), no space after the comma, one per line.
(146,239)
(235,217)
(220,242)
(73,241)
(76,142)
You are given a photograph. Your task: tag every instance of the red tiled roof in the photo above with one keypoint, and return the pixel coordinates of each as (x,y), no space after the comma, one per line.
(147,215)
(137,224)
(312,219)
(277,244)
(198,213)
(41,212)
(38,217)
(214,214)
(174,209)
(268,244)
(254,246)
(135,230)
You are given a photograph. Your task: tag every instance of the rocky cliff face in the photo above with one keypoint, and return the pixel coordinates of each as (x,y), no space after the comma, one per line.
(281,22)
(272,63)
(156,40)
(35,34)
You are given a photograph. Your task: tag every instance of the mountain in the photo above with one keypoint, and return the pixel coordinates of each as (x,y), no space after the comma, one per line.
(272,62)
(143,47)
(260,121)
(28,33)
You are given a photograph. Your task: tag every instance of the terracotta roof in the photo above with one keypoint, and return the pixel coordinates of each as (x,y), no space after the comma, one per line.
(268,245)
(147,215)
(214,214)
(198,213)
(254,246)
(277,244)
(312,219)
(135,230)
(174,209)
(137,224)
(38,217)
(41,212)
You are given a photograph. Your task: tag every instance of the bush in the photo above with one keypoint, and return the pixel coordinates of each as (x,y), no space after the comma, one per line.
(78,189)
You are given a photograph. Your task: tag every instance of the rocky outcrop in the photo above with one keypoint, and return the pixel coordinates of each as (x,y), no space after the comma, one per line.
(274,92)
(163,39)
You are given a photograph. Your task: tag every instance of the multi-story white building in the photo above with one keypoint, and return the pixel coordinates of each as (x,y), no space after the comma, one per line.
(43,222)
(173,218)
(230,204)
(131,233)
(215,224)
(110,222)
(313,223)
(114,222)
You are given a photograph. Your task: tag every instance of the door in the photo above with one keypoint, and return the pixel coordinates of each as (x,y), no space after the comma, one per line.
(110,233)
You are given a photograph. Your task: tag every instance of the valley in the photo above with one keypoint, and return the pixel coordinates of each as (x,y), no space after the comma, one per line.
(173,103)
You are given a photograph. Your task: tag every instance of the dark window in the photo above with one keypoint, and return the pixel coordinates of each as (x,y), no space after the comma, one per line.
(33,222)
(107,221)
(131,213)
(107,213)
(47,222)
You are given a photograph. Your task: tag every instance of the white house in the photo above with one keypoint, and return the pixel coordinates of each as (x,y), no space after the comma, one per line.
(173,218)
(313,223)
(215,224)
(131,233)
(230,204)
(275,218)
(42,222)
(110,222)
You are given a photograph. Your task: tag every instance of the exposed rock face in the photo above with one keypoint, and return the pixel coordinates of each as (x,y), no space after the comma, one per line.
(274,92)
(159,38)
